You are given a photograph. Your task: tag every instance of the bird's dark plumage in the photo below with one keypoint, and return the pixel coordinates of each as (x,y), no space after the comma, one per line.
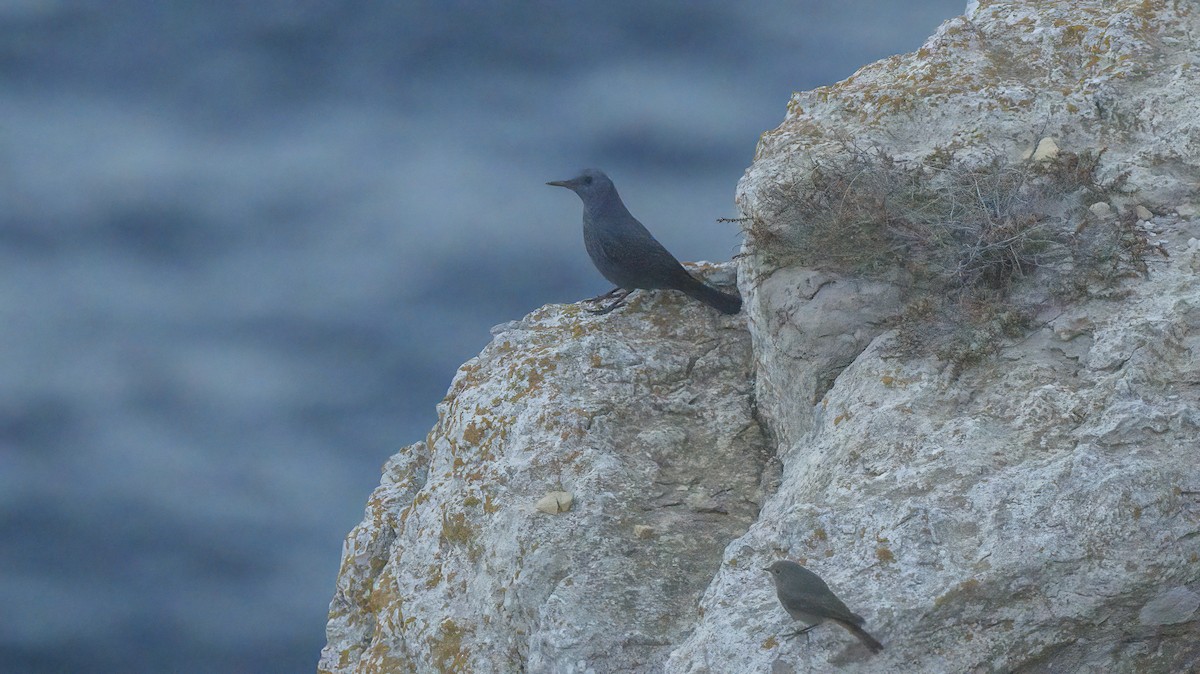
(624,250)
(807,598)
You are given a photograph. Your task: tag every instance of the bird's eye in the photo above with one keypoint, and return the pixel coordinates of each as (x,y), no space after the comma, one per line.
(587,180)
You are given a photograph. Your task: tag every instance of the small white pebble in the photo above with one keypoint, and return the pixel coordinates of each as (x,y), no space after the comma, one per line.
(555,502)
(1046,149)
(643,531)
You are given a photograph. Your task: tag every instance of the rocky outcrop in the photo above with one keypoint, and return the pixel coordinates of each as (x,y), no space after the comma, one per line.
(1037,511)
(573,501)
(1040,512)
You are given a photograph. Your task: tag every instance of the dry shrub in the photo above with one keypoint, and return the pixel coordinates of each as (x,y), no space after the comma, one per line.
(966,237)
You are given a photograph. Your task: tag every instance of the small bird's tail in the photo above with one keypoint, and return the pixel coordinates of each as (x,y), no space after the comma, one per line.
(722,302)
(868,640)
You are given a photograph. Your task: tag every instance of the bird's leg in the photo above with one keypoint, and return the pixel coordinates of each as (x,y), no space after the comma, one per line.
(797,633)
(608,295)
(620,301)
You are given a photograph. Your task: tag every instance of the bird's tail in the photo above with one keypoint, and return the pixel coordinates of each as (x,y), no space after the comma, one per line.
(868,640)
(722,302)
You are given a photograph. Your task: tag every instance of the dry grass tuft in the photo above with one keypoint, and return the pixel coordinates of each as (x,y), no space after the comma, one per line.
(966,238)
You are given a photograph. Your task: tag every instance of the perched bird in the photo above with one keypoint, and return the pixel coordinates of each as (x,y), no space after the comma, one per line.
(806,597)
(625,252)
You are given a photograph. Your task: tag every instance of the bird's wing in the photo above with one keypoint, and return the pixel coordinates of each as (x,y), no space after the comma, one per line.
(629,233)
(630,244)
(824,603)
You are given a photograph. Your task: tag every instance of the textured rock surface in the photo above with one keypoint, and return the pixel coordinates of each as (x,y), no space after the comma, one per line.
(1039,512)
(1117,76)
(1089,73)
(643,416)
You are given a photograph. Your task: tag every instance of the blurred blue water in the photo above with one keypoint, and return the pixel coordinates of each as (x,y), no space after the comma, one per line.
(243,247)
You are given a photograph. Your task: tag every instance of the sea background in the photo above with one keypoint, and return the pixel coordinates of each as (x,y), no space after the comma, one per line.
(245,245)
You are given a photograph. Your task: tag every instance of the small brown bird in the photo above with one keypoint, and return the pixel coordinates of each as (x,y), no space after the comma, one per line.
(806,597)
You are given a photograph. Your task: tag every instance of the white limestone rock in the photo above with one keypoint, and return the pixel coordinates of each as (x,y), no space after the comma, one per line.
(1039,511)
(453,570)
(1022,516)
(1176,605)
(555,502)
(1046,149)
(1114,74)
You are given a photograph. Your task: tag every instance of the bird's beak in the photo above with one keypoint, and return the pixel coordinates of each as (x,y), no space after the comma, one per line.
(560,183)
(767,569)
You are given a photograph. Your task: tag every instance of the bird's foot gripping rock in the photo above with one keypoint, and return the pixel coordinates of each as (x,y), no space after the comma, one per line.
(793,635)
(619,293)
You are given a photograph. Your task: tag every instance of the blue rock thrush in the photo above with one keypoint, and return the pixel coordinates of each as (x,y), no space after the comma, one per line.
(625,252)
(806,597)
